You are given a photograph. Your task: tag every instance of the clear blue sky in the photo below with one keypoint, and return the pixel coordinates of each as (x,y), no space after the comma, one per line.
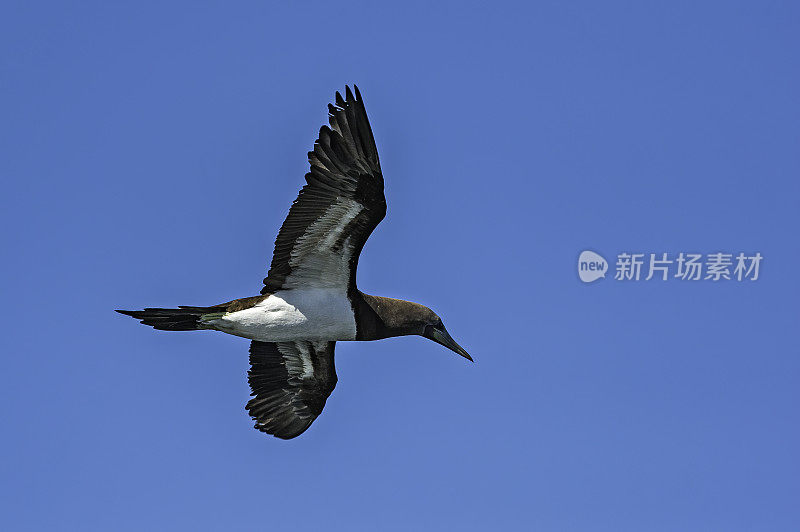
(150,151)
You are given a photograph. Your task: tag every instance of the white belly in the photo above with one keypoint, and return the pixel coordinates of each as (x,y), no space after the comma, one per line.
(300,314)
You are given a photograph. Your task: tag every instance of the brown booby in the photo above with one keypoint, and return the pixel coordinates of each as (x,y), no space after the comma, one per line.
(310,299)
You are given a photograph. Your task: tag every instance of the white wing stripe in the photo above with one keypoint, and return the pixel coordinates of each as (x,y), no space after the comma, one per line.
(313,260)
(297,358)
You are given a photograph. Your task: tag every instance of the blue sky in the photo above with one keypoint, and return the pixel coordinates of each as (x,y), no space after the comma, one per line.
(150,152)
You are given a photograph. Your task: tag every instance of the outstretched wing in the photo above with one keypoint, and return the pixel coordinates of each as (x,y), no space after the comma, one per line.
(291,382)
(342,202)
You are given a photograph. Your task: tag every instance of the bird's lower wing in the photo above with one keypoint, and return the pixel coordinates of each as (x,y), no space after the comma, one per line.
(290,382)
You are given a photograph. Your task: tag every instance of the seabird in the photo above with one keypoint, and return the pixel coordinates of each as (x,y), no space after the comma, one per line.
(310,299)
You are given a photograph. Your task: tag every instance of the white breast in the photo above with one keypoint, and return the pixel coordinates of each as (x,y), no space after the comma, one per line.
(315,314)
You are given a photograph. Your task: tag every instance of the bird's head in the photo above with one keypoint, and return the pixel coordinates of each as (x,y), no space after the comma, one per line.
(396,317)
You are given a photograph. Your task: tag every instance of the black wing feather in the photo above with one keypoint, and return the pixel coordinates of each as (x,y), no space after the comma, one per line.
(289,395)
(344,165)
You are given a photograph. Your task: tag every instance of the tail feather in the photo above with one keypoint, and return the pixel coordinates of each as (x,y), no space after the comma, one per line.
(183,318)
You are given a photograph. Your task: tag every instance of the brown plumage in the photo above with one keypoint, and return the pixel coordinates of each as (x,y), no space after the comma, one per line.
(316,252)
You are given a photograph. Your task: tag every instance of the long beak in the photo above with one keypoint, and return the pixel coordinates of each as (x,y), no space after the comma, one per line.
(443,337)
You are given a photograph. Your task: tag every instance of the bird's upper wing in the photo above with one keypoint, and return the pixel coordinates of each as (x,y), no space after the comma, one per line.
(342,202)
(291,382)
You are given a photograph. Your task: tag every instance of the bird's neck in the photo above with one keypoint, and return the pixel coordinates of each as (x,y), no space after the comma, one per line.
(383,317)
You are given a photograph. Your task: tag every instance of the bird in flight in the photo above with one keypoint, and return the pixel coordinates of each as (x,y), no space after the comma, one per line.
(310,299)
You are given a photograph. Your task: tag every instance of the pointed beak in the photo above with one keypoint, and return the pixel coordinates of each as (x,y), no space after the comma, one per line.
(443,337)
